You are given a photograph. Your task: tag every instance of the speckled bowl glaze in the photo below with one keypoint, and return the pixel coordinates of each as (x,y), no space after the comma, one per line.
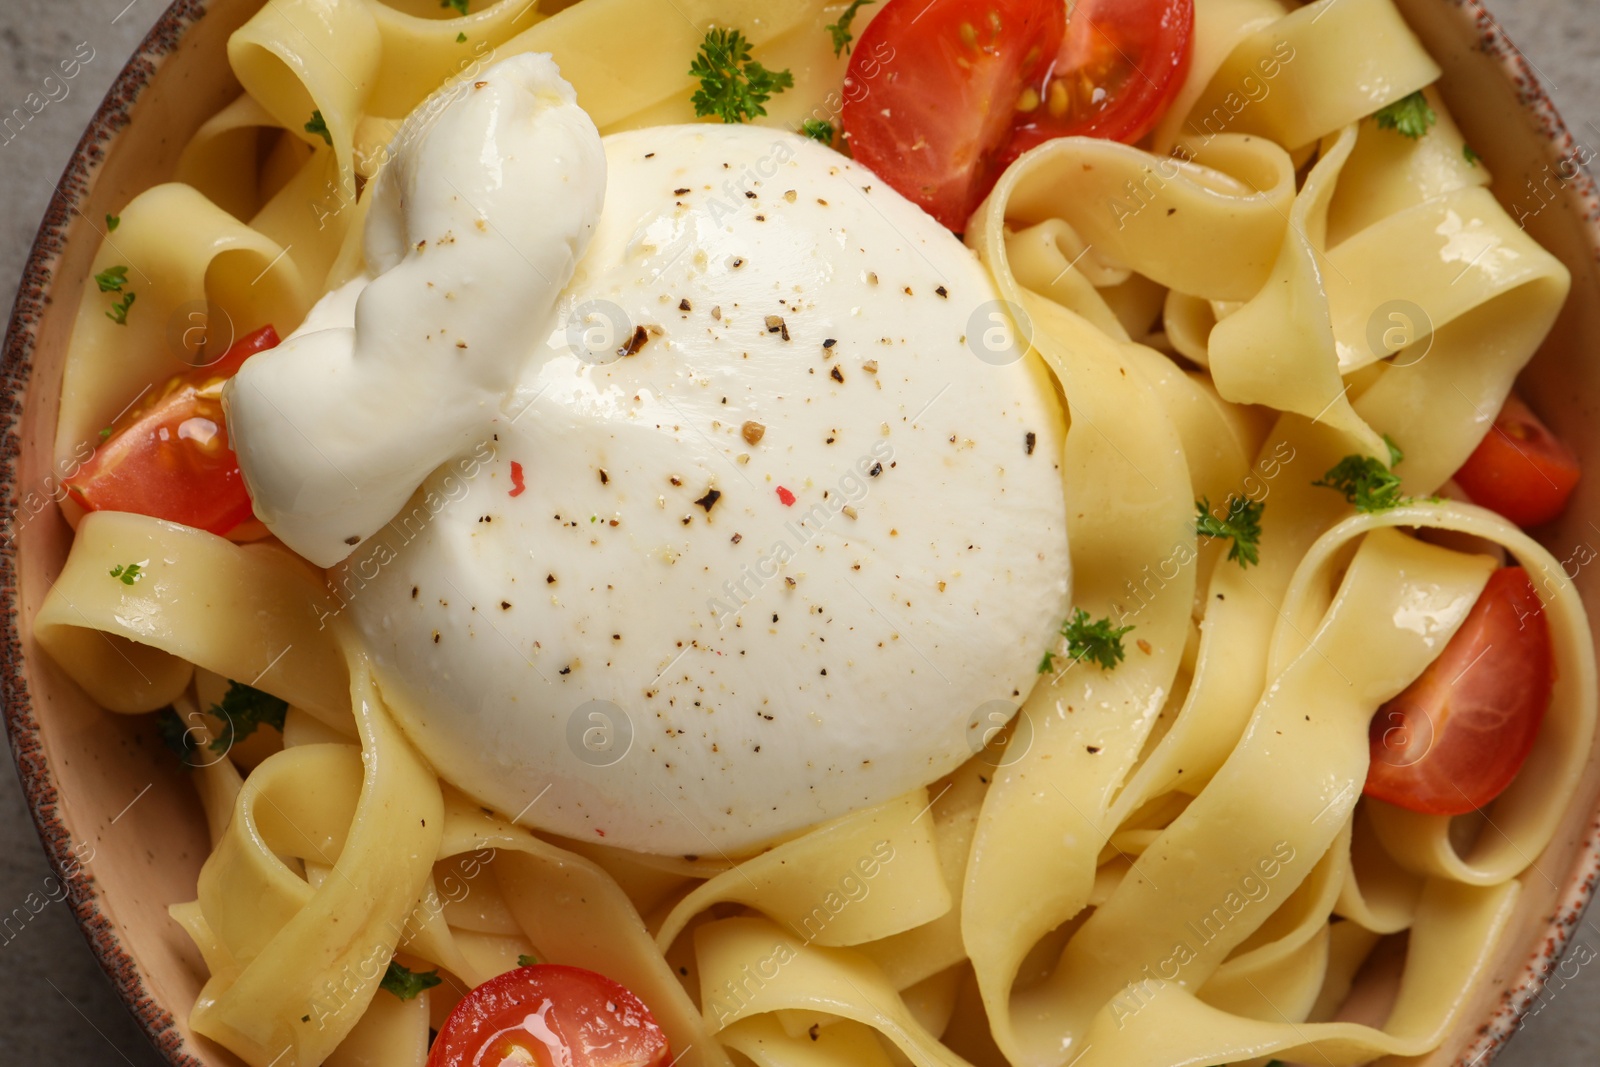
(122,826)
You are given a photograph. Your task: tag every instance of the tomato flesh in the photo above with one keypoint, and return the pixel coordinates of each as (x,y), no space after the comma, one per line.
(1457,736)
(553,1016)
(1520,469)
(169,457)
(941,95)
(932,89)
(1119,65)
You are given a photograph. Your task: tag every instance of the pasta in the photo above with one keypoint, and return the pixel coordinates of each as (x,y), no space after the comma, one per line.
(1172,863)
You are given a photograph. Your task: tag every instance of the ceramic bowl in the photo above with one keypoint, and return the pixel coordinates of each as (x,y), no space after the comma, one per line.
(120,821)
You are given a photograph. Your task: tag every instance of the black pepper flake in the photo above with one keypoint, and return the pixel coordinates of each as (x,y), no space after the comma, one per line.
(352,540)
(877,469)
(549,579)
(634,343)
(683,305)
(836,374)
(1172,211)
(736,538)
(775,324)
(649,155)
(436,637)
(1029,439)
(942,291)
(815,1031)
(1093,749)
(748,195)
(681,192)
(505,605)
(604,477)
(413,592)
(709,501)
(565,670)
(829,343)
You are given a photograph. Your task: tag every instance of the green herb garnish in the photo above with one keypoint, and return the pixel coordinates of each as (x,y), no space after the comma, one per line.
(1366,482)
(112,279)
(460,6)
(318,126)
(105,433)
(840,31)
(818,130)
(1242,524)
(1410,116)
(119,311)
(128,573)
(406,984)
(242,710)
(112,221)
(732,85)
(179,738)
(524,960)
(1469,155)
(461,38)
(1096,640)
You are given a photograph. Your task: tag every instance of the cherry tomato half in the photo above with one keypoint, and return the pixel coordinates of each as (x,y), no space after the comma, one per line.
(1120,64)
(169,456)
(1520,468)
(1457,736)
(553,1016)
(932,89)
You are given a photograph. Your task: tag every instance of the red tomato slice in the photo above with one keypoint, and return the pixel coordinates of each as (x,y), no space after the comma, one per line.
(559,1016)
(932,89)
(1457,736)
(1120,64)
(169,457)
(1520,468)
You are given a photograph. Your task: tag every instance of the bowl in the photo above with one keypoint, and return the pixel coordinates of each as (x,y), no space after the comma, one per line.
(120,821)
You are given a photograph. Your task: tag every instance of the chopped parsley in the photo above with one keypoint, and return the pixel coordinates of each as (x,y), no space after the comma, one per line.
(461,38)
(1242,524)
(405,983)
(179,738)
(119,311)
(112,279)
(105,433)
(318,126)
(732,85)
(112,221)
(1410,116)
(840,31)
(525,960)
(242,710)
(128,573)
(460,6)
(1366,482)
(818,130)
(1469,155)
(1096,640)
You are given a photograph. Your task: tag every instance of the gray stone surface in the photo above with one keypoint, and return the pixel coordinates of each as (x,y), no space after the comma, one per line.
(63,1010)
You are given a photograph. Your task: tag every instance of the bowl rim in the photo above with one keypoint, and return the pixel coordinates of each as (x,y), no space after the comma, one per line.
(114,115)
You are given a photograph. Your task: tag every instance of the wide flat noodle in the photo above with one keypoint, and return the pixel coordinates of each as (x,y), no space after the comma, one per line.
(247,612)
(307,962)
(862,877)
(182,256)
